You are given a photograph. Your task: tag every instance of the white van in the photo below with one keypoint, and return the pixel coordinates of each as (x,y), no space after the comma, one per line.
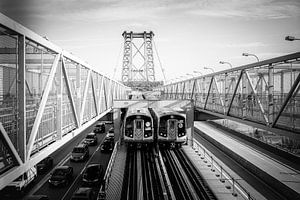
(22,181)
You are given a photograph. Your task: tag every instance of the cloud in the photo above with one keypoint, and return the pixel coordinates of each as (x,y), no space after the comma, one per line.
(256,9)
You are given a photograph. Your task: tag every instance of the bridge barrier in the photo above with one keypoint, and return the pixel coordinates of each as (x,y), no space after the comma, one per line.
(103,188)
(224,175)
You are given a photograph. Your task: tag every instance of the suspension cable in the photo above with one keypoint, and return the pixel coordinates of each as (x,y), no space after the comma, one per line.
(162,69)
(118,61)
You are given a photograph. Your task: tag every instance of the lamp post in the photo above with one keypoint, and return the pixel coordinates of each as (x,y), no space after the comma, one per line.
(291,38)
(198,72)
(223,62)
(250,54)
(209,68)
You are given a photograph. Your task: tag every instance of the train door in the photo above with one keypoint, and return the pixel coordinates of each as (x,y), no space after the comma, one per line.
(139,129)
(172,129)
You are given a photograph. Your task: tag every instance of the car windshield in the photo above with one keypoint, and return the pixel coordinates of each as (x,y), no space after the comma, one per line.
(78,150)
(59,172)
(92,169)
(90,136)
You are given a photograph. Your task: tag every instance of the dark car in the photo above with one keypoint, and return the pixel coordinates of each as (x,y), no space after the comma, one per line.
(100,128)
(44,165)
(107,145)
(93,174)
(62,175)
(80,152)
(91,139)
(85,193)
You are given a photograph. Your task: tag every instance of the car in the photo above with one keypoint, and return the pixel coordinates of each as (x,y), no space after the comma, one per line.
(20,184)
(91,139)
(80,152)
(85,193)
(37,197)
(107,145)
(110,133)
(62,175)
(93,174)
(44,165)
(100,127)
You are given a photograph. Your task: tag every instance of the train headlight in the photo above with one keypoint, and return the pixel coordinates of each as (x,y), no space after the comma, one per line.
(147,124)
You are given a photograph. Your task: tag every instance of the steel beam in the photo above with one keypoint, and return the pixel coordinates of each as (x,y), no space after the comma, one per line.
(22,127)
(42,105)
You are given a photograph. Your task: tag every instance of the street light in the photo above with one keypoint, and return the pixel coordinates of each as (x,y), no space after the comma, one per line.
(291,38)
(209,68)
(198,72)
(223,62)
(250,54)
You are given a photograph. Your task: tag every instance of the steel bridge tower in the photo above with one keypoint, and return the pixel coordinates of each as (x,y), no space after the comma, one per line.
(138,66)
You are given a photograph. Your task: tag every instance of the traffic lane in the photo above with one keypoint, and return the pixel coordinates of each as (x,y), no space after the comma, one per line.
(59,192)
(101,158)
(62,152)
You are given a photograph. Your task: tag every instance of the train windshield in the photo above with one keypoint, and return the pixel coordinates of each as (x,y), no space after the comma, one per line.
(138,124)
(172,124)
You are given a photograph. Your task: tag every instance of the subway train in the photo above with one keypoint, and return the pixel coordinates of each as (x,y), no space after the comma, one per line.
(138,126)
(170,126)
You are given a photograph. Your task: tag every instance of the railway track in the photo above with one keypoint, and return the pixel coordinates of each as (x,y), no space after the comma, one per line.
(173,177)
(143,176)
(186,181)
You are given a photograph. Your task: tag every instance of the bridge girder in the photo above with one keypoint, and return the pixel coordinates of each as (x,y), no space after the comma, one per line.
(263,94)
(47,97)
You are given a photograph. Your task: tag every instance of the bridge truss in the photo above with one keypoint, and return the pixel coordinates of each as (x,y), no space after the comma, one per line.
(263,94)
(47,97)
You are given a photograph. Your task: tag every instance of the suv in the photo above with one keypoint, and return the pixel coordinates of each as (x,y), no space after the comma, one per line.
(91,139)
(100,128)
(80,152)
(107,145)
(44,165)
(22,182)
(93,174)
(62,175)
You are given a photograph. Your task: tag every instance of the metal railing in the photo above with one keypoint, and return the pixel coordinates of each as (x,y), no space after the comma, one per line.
(224,175)
(103,188)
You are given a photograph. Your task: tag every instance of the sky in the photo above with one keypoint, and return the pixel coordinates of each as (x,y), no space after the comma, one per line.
(189,34)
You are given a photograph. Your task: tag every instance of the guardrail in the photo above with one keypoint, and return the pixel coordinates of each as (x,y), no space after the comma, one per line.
(103,188)
(224,175)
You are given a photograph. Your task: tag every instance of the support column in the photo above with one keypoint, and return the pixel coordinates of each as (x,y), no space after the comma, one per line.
(270,93)
(59,124)
(21,98)
(78,90)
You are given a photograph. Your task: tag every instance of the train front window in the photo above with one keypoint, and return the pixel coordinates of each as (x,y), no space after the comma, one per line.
(172,124)
(138,124)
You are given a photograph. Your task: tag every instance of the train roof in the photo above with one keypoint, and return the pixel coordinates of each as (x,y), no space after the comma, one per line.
(137,111)
(166,111)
